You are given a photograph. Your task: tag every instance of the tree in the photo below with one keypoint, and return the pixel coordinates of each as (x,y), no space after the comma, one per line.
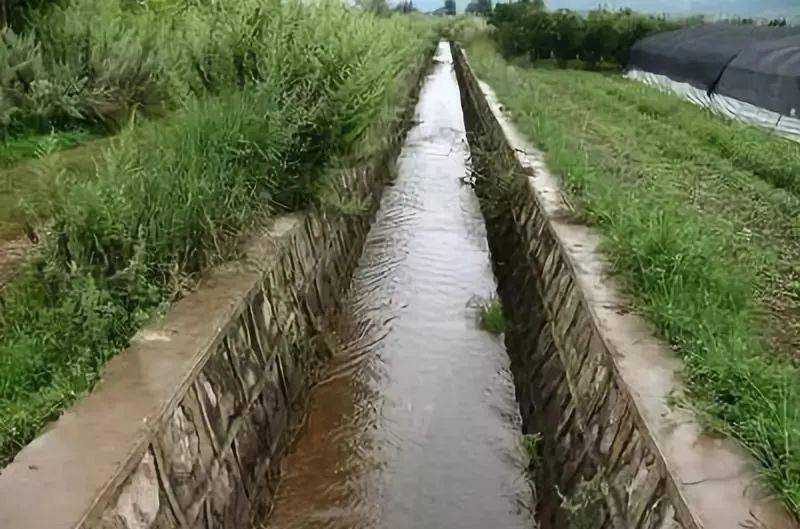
(378,7)
(523,28)
(450,7)
(631,27)
(405,6)
(602,37)
(534,4)
(540,35)
(480,7)
(568,31)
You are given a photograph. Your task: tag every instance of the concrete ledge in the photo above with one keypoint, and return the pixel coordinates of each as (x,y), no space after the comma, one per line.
(182,428)
(590,376)
(188,425)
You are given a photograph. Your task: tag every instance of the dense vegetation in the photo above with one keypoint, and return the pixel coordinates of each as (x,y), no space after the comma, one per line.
(700,217)
(264,96)
(528,29)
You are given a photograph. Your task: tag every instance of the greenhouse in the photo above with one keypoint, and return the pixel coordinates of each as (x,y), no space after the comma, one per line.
(750,73)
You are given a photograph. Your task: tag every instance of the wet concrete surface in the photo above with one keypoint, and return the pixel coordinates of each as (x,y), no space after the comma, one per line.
(415,423)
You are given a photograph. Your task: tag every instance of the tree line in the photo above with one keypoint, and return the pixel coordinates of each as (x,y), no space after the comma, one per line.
(529,29)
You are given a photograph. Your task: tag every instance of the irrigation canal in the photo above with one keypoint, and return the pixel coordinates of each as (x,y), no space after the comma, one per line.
(415,423)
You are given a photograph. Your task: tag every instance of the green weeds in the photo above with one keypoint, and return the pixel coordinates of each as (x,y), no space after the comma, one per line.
(491,314)
(532,448)
(584,505)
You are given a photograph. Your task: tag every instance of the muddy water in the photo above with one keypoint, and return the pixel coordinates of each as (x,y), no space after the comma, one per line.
(415,423)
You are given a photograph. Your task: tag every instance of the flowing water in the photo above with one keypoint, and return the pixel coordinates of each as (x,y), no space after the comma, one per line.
(415,424)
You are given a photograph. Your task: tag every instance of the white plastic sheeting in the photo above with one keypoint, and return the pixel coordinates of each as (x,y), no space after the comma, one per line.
(788,127)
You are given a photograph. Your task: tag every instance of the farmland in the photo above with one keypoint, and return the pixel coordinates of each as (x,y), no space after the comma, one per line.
(700,218)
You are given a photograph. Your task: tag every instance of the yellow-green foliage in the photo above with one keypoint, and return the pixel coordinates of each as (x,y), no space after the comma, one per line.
(92,62)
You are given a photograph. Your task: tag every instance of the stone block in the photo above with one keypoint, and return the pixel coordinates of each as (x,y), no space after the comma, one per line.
(247,363)
(275,405)
(185,454)
(227,504)
(221,395)
(141,504)
(251,445)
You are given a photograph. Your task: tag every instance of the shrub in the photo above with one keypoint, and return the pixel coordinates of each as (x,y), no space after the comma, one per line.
(88,62)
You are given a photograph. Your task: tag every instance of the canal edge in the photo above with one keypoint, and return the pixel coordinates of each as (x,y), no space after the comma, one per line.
(710,483)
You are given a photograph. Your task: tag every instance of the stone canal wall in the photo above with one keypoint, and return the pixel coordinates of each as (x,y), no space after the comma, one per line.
(590,377)
(188,425)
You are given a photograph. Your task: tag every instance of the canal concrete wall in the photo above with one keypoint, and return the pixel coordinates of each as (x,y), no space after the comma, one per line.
(592,381)
(188,425)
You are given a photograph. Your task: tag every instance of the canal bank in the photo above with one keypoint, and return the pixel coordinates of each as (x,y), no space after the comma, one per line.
(617,449)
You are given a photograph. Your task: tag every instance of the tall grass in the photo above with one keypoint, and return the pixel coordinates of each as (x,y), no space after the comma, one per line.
(291,89)
(93,62)
(700,220)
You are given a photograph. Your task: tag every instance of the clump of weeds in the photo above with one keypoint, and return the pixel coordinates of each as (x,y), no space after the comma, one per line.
(491,316)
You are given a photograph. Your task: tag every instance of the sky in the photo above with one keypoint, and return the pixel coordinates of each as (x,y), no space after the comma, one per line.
(765,8)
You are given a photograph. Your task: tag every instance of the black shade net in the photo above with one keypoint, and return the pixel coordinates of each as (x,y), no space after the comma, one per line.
(759,65)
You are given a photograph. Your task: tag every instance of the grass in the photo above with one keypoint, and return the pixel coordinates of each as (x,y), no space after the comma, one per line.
(701,220)
(27,188)
(585,504)
(168,199)
(491,314)
(14,150)
(531,445)
(98,64)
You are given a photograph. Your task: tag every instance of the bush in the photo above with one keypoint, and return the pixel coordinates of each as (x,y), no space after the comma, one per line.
(91,62)
(16,14)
